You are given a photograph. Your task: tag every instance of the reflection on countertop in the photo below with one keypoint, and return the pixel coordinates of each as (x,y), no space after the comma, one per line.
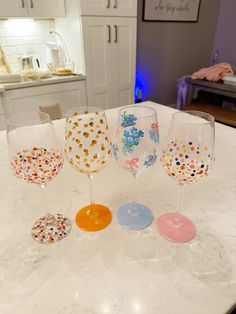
(46,81)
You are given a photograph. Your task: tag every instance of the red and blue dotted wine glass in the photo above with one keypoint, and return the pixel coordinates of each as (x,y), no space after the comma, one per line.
(136,143)
(36,157)
(187,156)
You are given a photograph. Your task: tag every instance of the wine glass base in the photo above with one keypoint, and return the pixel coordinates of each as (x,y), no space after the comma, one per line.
(137,218)
(176,227)
(93,221)
(51,228)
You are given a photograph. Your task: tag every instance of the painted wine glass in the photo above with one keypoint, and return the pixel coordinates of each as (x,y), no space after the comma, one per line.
(88,149)
(135,147)
(36,157)
(187,156)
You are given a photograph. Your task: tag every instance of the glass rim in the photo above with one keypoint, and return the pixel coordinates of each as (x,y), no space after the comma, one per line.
(140,106)
(87,108)
(209,119)
(30,121)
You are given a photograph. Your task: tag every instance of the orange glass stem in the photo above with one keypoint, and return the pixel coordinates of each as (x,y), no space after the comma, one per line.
(92,212)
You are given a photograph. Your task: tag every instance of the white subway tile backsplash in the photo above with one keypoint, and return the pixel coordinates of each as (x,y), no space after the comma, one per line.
(18,42)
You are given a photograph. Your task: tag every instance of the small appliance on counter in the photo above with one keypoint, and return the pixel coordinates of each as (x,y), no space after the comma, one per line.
(30,69)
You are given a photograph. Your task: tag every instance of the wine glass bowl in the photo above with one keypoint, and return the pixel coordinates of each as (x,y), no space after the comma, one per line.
(187,155)
(36,157)
(135,148)
(88,149)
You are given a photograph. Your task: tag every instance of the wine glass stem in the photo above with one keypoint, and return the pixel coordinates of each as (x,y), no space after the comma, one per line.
(46,203)
(134,187)
(134,210)
(180,198)
(93,211)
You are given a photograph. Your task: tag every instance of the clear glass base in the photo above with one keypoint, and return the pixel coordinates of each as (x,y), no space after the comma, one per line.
(93,218)
(134,216)
(176,227)
(51,228)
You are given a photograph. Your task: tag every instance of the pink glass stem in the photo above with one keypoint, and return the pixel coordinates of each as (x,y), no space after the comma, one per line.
(180,198)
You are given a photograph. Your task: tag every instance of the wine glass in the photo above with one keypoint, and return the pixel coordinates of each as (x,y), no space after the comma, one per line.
(136,143)
(36,157)
(88,149)
(187,155)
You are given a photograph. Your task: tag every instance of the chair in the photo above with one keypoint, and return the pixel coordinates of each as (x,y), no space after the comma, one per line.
(53,110)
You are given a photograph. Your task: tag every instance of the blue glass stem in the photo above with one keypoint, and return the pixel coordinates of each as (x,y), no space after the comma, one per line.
(134,211)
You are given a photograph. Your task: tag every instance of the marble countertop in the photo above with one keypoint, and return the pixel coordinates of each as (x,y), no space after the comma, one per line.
(51,80)
(117,271)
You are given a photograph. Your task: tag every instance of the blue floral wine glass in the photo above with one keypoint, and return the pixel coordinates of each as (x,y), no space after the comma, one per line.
(135,147)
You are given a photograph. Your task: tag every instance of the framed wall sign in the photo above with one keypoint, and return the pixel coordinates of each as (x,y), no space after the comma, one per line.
(171,10)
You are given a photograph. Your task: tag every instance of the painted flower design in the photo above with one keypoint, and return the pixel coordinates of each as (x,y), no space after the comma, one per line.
(130,139)
(127,120)
(150,160)
(132,164)
(153,133)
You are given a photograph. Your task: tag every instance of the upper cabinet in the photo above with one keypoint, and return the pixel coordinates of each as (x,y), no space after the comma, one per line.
(109,7)
(46,8)
(32,8)
(13,8)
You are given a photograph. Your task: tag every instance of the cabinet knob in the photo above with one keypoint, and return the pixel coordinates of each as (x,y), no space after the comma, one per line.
(22,3)
(109,33)
(108,4)
(31,4)
(115,4)
(116,34)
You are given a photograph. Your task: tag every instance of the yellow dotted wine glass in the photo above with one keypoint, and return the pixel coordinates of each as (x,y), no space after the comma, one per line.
(88,149)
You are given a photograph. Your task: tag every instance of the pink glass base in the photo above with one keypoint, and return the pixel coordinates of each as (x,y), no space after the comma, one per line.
(176,227)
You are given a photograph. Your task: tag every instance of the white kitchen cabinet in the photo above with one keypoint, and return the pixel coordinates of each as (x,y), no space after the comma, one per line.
(109,7)
(46,8)
(110,59)
(67,95)
(32,8)
(13,8)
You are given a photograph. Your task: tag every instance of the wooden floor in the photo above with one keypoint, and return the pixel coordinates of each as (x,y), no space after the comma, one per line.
(225,116)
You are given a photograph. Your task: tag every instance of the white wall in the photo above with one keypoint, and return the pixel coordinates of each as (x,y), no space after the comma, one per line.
(168,50)
(225,39)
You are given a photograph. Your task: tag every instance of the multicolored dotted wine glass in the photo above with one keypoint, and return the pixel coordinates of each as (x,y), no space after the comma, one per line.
(187,156)
(136,143)
(36,157)
(88,149)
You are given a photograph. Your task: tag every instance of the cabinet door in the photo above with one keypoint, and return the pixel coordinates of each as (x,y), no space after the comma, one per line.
(124,59)
(97,53)
(13,8)
(95,7)
(45,8)
(123,8)
(67,95)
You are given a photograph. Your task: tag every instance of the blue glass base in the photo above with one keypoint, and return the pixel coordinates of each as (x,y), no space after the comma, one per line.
(134,216)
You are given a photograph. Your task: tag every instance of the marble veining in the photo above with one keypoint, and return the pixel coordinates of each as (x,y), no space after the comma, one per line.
(118,271)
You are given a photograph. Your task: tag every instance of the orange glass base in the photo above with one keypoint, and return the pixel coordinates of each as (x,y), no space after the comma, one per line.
(95,220)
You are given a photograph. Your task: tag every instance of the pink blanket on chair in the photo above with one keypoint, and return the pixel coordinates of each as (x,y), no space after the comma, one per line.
(213,73)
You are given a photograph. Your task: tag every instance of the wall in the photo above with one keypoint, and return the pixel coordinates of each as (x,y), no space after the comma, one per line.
(20,37)
(225,40)
(168,50)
